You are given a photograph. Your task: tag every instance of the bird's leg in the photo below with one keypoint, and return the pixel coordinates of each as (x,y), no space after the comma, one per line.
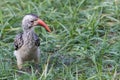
(36,62)
(19,63)
(36,59)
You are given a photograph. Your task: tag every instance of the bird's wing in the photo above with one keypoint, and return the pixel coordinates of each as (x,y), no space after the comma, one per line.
(18,41)
(37,40)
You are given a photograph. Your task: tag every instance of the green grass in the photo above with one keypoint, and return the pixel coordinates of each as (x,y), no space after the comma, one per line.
(84,43)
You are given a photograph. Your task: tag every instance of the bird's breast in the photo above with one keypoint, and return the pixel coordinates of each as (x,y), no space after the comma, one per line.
(26,53)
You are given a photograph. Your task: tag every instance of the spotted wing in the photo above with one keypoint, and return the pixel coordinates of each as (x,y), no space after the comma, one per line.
(37,40)
(18,41)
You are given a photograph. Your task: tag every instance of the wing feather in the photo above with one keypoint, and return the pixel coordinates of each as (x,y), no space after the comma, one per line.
(37,40)
(18,41)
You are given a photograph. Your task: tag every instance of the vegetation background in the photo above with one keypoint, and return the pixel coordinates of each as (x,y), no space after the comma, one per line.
(84,43)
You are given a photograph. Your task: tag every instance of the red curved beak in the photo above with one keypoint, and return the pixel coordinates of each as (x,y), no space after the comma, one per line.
(42,23)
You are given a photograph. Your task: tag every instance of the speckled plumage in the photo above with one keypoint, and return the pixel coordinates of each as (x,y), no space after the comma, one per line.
(26,44)
(19,41)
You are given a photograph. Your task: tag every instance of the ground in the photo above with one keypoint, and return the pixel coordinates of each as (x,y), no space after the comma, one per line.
(84,43)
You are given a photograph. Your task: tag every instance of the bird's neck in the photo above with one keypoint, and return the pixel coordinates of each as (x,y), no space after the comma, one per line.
(28,31)
(28,37)
(28,34)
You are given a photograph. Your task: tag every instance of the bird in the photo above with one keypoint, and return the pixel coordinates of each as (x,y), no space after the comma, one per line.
(26,43)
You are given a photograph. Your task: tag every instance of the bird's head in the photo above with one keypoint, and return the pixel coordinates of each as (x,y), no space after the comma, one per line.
(31,20)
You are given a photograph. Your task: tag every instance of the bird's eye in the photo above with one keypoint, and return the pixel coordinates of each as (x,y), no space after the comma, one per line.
(31,21)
